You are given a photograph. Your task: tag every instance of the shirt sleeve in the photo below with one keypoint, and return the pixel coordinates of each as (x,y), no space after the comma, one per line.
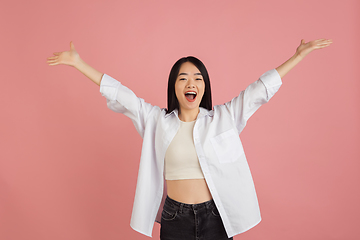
(122,100)
(243,106)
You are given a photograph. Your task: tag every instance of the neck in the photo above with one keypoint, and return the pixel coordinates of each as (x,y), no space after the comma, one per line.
(188,115)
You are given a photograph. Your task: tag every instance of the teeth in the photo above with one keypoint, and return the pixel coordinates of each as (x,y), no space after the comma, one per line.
(194,93)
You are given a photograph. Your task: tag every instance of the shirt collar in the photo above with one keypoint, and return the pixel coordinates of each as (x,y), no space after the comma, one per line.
(203,112)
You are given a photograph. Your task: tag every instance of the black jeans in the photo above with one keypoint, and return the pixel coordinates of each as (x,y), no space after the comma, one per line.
(181,221)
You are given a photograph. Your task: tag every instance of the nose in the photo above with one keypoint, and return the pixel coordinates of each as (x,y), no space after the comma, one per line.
(190,84)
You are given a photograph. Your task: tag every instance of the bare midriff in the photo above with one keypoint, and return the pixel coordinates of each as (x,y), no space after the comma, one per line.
(190,191)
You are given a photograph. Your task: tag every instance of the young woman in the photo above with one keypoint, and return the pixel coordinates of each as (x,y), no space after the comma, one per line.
(193,175)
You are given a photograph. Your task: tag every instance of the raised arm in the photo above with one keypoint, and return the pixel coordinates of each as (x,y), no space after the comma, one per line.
(72,58)
(303,50)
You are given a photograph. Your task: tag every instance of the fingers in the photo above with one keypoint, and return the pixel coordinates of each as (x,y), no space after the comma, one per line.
(52,60)
(323,43)
(322,46)
(323,40)
(320,43)
(51,63)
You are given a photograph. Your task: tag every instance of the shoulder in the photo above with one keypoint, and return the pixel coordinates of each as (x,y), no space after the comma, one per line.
(219,109)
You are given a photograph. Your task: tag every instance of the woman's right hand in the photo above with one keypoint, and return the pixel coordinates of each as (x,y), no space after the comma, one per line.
(70,58)
(73,59)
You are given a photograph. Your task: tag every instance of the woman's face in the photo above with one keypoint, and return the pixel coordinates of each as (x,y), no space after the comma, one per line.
(189,87)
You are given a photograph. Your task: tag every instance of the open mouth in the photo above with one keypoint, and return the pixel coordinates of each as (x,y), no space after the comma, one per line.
(190,96)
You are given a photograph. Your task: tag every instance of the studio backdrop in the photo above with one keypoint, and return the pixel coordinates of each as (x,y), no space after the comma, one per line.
(68,164)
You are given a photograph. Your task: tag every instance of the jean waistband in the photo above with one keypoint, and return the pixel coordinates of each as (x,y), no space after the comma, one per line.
(208,204)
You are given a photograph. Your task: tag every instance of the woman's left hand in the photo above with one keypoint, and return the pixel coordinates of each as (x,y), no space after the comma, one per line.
(302,50)
(305,48)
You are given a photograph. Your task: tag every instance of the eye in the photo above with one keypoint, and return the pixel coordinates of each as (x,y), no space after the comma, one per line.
(182,79)
(199,79)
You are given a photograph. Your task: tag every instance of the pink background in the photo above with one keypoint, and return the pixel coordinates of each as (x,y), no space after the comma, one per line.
(68,165)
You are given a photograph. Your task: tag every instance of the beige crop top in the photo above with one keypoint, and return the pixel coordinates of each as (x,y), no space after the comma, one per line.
(181,161)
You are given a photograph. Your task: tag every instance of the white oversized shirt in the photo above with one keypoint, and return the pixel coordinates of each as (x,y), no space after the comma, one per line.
(217,144)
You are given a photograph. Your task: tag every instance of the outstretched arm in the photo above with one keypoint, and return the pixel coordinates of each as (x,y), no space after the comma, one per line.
(72,58)
(303,50)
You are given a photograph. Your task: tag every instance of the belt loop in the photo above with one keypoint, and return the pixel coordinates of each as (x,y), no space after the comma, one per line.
(209,206)
(181,207)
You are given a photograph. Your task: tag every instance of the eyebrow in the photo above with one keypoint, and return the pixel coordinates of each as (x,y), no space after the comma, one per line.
(188,74)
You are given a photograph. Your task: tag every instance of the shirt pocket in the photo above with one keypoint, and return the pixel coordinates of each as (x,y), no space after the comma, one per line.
(227,146)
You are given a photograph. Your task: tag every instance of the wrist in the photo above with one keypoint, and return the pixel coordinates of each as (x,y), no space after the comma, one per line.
(78,63)
(301,54)
(298,56)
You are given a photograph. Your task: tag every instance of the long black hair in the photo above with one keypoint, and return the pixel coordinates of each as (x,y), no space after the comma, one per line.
(172,101)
